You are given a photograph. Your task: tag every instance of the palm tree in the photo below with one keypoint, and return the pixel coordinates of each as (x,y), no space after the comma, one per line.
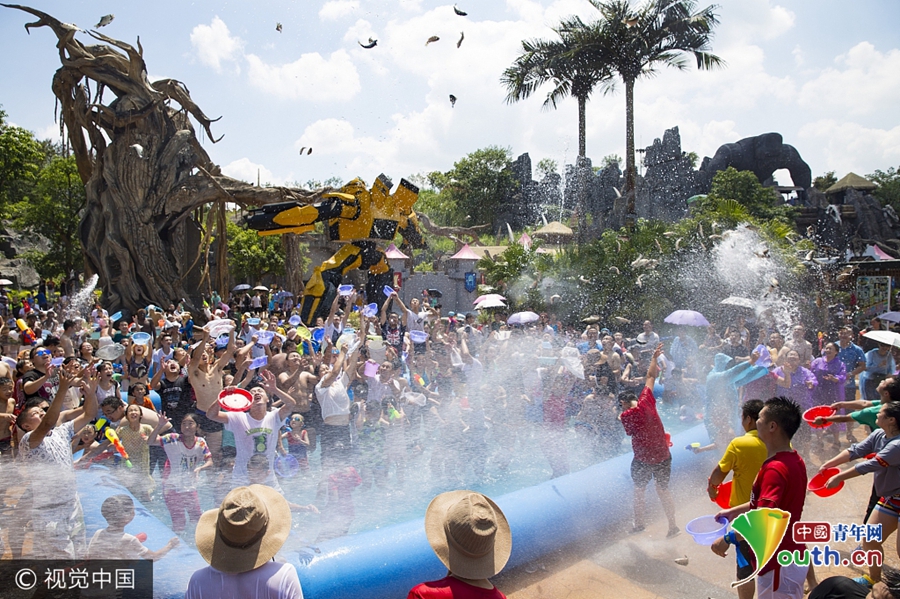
(559,62)
(633,42)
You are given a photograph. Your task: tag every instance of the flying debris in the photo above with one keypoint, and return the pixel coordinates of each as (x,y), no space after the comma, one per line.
(512,238)
(658,245)
(452,100)
(618,193)
(593,319)
(302,150)
(372,43)
(615,270)
(459,12)
(701,245)
(773,282)
(682,561)
(762,254)
(619,246)
(810,231)
(630,22)
(700,228)
(834,213)
(433,38)
(810,255)
(309,151)
(639,282)
(638,262)
(138,149)
(582,279)
(623,239)
(715,236)
(669,234)
(278,27)
(105,20)
(678,244)
(621,320)
(462,36)
(555,298)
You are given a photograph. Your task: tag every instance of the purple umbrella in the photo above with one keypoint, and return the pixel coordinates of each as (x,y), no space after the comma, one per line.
(687,317)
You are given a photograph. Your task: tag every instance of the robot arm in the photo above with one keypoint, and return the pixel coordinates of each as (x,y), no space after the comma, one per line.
(292,217)
(411,233)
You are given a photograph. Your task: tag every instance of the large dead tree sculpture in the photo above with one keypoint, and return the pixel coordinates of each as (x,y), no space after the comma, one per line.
(145,173)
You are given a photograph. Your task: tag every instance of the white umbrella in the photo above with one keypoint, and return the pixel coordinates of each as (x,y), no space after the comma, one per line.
(743,302)
(490,303)
(886,337)
(6,282)
(888,316)
(261,288)
(523,318)
(489,296)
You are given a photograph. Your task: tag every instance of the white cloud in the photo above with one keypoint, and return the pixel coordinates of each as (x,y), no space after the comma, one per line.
(864,82)
(310,77)
(50,132)
(336,9)
(214,44)
(753,20)
(799,58)
(849,146)
(245,170)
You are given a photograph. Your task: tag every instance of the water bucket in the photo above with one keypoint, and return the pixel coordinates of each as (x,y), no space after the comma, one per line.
(371,368)
(418,336)
(723,499)
(219,327)
(706,530)
(295,320)
(345,289)
(817,483)
(811,414)
(141,338)
(388,290)
(235,400)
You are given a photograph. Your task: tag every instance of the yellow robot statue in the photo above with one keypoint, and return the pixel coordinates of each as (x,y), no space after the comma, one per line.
(356,215)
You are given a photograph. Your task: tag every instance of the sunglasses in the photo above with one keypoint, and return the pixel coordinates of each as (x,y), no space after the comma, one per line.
(43,352)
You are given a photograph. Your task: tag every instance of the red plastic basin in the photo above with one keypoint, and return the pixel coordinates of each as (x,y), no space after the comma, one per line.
(817,483)
(811,414)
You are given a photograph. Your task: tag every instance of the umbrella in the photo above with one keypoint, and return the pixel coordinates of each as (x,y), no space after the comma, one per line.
(489,296)
(888,316)
(286,294)
(743,302)
(261,288)
(241,287)
(884,337)
(6,282)
(687,317)
(522,318)
(490,303)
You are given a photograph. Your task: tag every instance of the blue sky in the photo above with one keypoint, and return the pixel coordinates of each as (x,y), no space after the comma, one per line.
(825,74)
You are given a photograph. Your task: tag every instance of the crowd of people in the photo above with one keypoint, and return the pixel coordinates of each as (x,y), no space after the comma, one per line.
(359,399)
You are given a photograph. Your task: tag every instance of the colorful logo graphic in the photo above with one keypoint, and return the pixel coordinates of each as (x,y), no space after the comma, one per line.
(763,529)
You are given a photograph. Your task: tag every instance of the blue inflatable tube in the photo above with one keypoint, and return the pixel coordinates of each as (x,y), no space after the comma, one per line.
(544,518)
(387,562)
(172,573)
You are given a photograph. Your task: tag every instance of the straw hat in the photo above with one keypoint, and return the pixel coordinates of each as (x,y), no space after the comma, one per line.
(246,531)
(468,533)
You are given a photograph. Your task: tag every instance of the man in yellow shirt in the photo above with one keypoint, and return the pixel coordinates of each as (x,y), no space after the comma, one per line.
(744,456)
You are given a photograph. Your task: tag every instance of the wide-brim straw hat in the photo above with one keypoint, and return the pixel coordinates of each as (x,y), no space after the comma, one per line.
(246,531)
(469,534)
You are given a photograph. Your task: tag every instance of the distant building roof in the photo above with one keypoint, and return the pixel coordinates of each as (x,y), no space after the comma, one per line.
(392,253)
(851,181)
(465,253)
(525,241)
(554,229)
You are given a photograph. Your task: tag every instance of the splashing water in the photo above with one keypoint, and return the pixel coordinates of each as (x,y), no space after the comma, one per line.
(81,303)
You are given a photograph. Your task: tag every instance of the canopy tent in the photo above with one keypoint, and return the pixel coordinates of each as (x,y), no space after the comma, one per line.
(465,253)
(553,229)
(392,253)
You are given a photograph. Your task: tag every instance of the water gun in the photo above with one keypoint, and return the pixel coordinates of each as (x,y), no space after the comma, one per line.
(419,380)
(28,336)
(393,414)
(102,425)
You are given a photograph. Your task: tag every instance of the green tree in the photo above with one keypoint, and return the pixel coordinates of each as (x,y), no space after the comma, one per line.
(251,257)
(823,182)
(888,186)
(546,166)
(633,42)
(21,157)
(53,209)
(476,185)
(562,63)
(743,187)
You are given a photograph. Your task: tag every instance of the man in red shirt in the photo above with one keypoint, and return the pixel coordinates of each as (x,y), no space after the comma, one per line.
(651,448)
(780,484)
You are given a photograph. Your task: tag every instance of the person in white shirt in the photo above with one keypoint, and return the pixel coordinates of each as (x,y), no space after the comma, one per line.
(113,542)
(257,430)
(239,541)
(649,336)
(331,391)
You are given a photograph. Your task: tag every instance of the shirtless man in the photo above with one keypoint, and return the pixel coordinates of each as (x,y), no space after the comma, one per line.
(206,377)
(298,381)
(67,339)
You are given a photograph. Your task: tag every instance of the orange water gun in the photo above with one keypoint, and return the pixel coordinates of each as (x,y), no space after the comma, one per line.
(112,437)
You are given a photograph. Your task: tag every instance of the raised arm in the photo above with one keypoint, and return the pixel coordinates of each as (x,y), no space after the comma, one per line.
(89,381)
(49,419)
(653,369)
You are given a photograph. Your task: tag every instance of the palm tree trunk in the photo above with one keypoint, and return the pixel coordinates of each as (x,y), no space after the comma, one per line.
(582,149)
(629,147)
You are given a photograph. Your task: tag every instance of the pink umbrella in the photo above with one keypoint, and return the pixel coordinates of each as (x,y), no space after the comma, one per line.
(489,296)
(490,303)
